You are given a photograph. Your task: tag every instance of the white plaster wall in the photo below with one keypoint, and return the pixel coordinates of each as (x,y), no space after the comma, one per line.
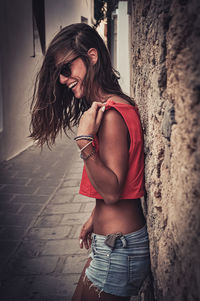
(123,63)
(19,67)
(61,13)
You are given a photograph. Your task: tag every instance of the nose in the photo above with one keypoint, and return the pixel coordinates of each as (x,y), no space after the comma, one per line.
(63,79)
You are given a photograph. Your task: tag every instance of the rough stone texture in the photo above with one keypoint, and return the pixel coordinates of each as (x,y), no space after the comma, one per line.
(165,38)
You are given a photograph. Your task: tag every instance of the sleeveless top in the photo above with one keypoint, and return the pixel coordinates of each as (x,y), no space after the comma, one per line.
(134,183)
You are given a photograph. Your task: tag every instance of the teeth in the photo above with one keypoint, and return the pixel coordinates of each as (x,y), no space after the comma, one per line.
(72,84)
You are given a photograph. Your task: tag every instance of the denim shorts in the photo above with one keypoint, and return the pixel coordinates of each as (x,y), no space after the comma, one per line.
(120,270)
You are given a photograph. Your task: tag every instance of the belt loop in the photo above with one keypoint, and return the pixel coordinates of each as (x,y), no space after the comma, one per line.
(124,241)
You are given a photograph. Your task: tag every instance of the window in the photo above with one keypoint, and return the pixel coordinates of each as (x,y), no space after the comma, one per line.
(38,26)
(1,103)
(84,20)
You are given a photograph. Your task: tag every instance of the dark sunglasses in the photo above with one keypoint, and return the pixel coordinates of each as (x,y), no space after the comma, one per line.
(65,69)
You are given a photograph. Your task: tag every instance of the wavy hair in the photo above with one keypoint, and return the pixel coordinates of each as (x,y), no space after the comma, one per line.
(54,107)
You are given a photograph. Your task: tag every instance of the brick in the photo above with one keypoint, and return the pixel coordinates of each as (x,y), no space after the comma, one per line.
(68,190)
(27,198)
(11,233)
(16,180)
(71,183)
(48,182)
(82,199)
(74,218)
(6,197)
(7,247)
(17,220)
(61,208)
(45,190)
(74,264)
(21,189)
(62,199)
(52,288)
(48,220)
(33,208)
(60,232)
(63,247)
(89,207)
(74,176)
(31,266)
(30,248)
(10,207)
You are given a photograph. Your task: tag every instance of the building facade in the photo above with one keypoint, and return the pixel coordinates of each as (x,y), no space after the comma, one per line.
(26,28)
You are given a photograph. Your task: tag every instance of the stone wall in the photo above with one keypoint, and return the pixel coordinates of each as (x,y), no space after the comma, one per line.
(165,61)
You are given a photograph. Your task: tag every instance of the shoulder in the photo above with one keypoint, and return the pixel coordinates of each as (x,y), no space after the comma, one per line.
(112,124)
(118,99)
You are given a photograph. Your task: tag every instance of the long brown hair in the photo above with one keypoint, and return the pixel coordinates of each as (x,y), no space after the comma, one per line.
(54,106)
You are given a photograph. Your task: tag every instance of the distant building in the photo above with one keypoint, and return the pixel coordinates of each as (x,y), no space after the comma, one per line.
(26,28)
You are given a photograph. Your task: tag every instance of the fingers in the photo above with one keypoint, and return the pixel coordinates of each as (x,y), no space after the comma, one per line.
(100,115)
(85,239)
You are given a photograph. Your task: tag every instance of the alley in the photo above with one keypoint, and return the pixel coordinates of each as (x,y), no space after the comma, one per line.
(41,214)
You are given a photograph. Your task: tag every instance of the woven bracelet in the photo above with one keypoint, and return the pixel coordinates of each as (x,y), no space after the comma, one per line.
(88,156)
(84,138)
(85,146)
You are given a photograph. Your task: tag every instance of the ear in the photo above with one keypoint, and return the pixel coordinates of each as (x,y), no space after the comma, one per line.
(93,55)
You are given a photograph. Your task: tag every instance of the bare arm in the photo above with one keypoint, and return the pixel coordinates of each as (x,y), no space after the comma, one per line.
(107,171)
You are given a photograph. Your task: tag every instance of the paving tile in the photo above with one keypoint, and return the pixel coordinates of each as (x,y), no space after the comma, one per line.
(61,208)
(62,199)
(31,266)
(33,208)
(68,190)
(74,218)
(16,180)
(48,220)
(71,183)
(62,247)
(73,175)
(20,189)
(74,264)
(7,207)
(82,199)
(27,198)
(89,207)
(30,248)
(11,233)
(45,190)
(60,232)
(6,197)
(10,219)
(7,247)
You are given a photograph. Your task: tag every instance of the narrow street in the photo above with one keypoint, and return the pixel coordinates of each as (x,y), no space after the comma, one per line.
(41,214)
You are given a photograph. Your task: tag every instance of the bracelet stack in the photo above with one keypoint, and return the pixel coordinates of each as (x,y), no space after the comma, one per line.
(89,138)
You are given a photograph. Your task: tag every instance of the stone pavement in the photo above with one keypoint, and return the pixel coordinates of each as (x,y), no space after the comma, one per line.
(41,214)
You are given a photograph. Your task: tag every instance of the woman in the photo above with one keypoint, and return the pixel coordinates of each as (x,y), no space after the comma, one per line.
(78,86)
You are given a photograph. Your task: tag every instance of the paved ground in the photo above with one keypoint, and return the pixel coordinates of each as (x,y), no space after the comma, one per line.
(41,214)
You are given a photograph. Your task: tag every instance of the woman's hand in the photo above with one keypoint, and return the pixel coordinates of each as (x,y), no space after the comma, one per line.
(91,119)
(85,235)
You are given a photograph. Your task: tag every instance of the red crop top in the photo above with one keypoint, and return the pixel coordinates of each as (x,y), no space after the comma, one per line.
(134,184)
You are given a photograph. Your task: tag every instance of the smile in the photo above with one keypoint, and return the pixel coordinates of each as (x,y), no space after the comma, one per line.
(72,85)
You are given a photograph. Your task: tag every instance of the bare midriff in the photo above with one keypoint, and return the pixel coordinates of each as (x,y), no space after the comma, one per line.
(124,216)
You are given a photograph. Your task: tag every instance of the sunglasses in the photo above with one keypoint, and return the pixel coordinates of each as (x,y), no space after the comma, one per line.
(65,69)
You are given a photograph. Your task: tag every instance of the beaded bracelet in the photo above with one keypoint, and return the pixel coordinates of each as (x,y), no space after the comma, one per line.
(88,156)
(84,137)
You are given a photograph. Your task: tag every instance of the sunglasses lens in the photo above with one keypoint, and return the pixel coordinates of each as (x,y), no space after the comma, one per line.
(65,71)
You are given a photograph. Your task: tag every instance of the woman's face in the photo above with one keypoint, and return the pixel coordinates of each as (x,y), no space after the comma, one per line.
(72,75)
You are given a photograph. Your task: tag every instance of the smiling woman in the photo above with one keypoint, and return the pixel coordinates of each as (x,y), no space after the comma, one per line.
(78,86)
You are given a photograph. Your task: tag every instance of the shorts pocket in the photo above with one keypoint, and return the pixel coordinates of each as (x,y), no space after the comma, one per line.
(100,250)
(138,269)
